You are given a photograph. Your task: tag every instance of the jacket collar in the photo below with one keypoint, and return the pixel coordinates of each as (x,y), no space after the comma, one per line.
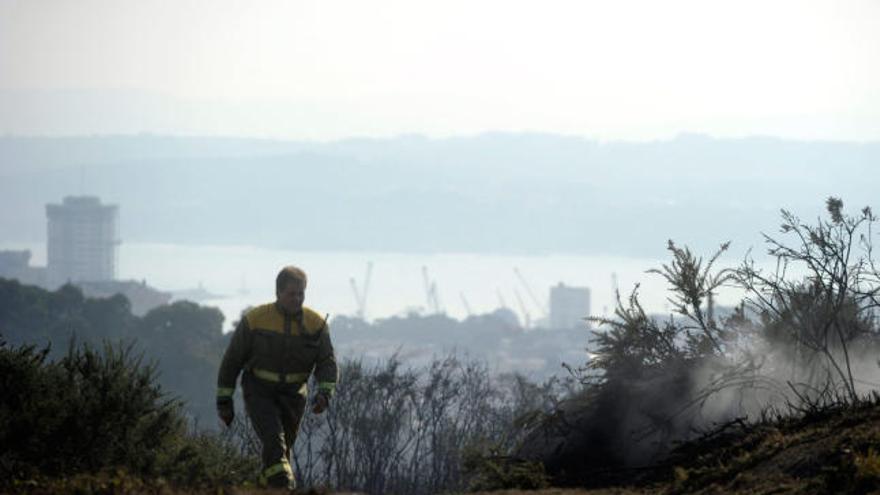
(298,315)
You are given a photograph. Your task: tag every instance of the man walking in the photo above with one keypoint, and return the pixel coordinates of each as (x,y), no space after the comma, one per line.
(278,345)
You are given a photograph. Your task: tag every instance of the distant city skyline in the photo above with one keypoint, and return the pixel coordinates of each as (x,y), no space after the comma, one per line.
(313,70)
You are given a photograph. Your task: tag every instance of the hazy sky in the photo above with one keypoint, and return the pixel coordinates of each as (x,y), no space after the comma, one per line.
(328,69)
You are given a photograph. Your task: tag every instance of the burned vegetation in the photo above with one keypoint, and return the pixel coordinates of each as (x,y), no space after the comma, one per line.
(667,400)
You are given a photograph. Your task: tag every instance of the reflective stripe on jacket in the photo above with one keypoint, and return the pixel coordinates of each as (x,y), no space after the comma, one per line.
(280,347)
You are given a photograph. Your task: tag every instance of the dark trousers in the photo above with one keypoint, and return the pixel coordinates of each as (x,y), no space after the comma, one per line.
(275,411)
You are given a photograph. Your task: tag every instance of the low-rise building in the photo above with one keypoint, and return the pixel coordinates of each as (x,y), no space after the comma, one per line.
(569,306)
(16,265)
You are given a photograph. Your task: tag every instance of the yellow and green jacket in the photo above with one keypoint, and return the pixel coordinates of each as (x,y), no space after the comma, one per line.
(279,347)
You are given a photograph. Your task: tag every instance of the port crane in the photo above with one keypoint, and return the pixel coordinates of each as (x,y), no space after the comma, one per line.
(466,304)
(527,318)
(360,296)
(542,309)
(431,295)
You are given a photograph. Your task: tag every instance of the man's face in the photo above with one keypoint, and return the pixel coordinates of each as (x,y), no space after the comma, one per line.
(292,296)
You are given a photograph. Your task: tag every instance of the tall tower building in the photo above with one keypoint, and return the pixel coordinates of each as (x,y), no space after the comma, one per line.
(81,240)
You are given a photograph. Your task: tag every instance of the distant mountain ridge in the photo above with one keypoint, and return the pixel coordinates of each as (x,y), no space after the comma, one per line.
(496,192)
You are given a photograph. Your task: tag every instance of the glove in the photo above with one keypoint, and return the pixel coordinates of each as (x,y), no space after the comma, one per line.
(226,409)
(320,402)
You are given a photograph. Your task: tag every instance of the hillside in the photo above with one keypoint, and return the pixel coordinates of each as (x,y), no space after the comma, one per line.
(831,450)
(835,450)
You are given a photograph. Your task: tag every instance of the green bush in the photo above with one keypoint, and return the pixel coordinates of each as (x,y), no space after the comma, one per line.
(99,410)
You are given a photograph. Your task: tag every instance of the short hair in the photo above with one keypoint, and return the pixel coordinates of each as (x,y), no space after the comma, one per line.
(289,274)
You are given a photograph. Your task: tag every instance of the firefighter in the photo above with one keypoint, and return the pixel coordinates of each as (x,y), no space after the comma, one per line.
(278,345)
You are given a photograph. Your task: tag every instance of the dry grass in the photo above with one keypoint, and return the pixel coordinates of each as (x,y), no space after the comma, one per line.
(832,451)
(572,491)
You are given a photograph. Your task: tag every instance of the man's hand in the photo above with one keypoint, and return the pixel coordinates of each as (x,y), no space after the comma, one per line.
(320,402)
(226,410)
